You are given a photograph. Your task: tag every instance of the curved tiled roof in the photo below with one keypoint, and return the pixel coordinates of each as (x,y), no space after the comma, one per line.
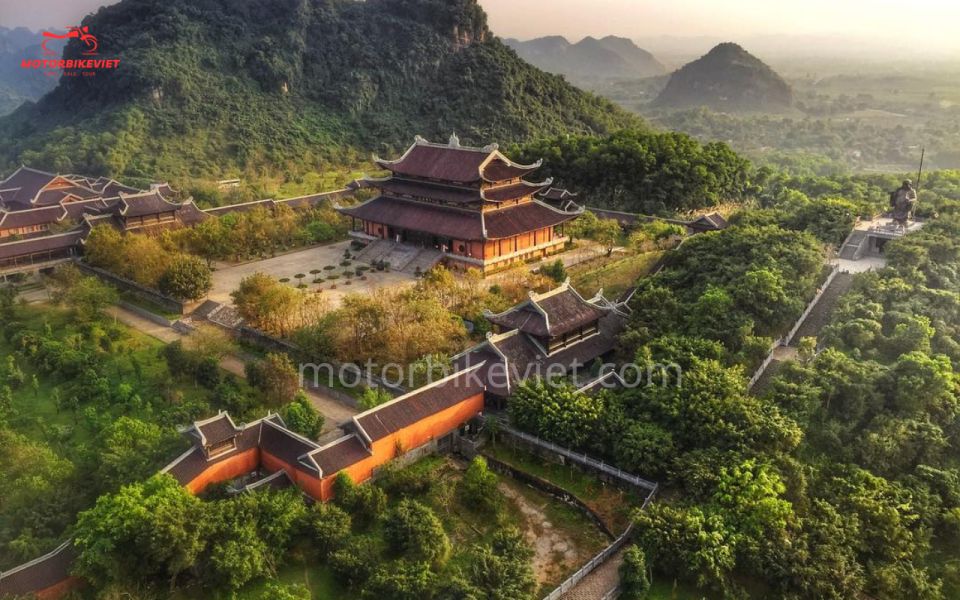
(147,203)
(340,454)
(524,217)
(550,314)
(31,217)
(513,191)
(455,163)
(417,216)
(501,169)
(403,411)
(216,429)
(47,243)
(457,223)
(24,184)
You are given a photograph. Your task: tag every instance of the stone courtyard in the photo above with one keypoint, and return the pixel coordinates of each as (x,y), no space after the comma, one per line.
(227,276)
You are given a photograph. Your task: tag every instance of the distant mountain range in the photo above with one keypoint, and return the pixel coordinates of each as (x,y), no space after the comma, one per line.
(590,58)
(19,85)
(728,78)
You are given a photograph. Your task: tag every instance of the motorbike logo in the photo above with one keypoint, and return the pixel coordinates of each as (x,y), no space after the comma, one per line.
(81,33)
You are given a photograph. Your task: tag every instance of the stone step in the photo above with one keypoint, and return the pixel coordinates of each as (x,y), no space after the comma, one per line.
(401,256)
(852,247)
(375,251)
(425,260)
(820,316)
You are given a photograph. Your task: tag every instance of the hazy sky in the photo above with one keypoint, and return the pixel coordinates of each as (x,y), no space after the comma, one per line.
(931,23)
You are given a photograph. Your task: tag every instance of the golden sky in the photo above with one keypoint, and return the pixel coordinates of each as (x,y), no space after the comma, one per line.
(917,23)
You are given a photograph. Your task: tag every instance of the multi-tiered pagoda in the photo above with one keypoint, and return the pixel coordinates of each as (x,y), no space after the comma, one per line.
(471,204)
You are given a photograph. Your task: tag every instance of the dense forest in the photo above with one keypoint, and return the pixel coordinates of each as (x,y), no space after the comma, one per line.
(639,171)
(839,480)
(214,88)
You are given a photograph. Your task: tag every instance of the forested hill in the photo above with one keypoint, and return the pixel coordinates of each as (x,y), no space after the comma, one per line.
(728,78)
(207,88)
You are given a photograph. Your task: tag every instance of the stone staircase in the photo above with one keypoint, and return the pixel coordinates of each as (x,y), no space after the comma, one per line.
(400,256)
(819,317)
(425,260)
(374,251)
(853,246)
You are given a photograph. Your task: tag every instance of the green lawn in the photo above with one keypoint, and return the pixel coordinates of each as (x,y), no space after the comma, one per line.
(614,275)
(149,306)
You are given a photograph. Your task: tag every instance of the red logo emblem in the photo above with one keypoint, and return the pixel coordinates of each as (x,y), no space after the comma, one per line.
(81,33)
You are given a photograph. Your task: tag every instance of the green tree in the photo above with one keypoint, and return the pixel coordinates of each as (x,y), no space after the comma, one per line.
(330,527)
(276,376)
(412,530)
(479,486)
(130,450)
(301,416)
(404,580)
(150,529)
(373,397)
(353,564)
(88,298)
(556,412)
(634,581)
(502,570)
(555,271)
(186,278)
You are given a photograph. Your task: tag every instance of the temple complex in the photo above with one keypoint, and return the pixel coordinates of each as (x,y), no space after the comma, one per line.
(550,334)
(45,217)
(473,205)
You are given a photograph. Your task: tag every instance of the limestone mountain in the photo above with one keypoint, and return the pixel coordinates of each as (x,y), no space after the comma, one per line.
(728,78)
(278,87)
(590,58)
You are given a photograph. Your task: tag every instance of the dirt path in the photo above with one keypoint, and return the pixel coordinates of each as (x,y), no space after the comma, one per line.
(555,554)
(333,411)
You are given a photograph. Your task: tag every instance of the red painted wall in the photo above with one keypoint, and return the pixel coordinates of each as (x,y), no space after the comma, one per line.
(225,470)
(59,589)
(416,435)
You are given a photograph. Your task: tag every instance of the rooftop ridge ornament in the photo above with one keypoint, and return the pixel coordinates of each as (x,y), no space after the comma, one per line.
(454,140)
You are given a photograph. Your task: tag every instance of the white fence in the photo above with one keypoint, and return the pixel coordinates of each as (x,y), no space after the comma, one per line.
(788,339)
(813,303)
(584,460)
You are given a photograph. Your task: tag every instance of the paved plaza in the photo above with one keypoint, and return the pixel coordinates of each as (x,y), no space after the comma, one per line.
(227,277)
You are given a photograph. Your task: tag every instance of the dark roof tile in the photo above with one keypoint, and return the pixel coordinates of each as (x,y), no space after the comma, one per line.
(499,170)
(524,217)
(435,161)
(285,444)
(48,243)
(406,410)
(148,203)
(39,574)
(30,217)
(552,313)
(340,454)
(416,216)
(217,429)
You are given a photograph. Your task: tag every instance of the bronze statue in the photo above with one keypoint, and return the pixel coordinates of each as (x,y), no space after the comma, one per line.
(902,201)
